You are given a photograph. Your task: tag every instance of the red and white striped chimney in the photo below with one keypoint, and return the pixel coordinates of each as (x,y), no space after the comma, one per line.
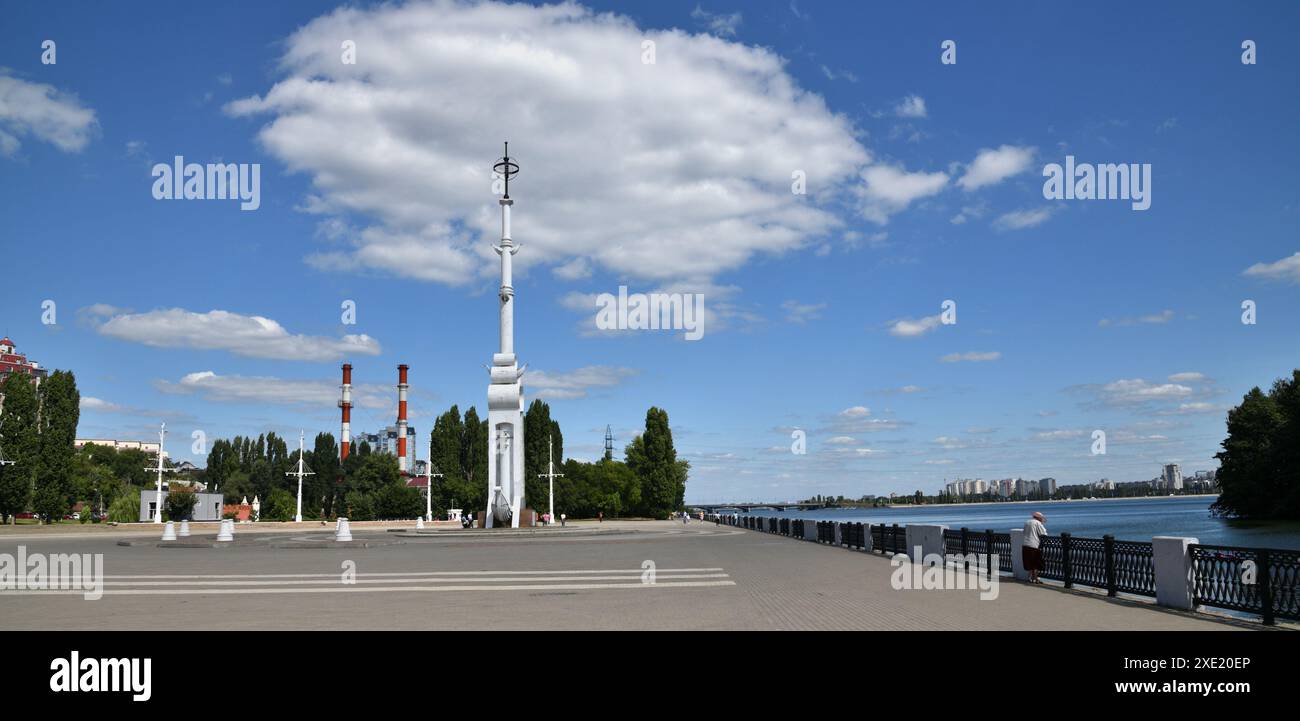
(346,404)
(401,417)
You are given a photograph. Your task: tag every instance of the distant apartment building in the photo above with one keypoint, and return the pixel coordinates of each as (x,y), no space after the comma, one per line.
(1173,477)
(1104,484)
(386,442)
(1047,487)
(116,445)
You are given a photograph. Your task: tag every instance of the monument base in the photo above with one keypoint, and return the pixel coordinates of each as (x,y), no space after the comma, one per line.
(528,518)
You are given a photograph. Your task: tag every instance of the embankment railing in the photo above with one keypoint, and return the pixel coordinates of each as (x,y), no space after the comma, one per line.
(1262,581)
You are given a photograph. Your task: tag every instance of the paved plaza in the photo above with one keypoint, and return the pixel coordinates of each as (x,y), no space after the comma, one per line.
(589,576)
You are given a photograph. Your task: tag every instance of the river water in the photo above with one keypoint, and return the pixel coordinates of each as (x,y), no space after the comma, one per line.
(1135,519)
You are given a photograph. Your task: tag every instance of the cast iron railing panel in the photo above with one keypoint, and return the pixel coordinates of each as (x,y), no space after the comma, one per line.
(1135,571)
(1002,547)
(1052,562)
(1088,562)
(1254,580)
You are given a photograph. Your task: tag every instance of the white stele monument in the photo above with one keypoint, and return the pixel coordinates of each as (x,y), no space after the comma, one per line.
(506,390)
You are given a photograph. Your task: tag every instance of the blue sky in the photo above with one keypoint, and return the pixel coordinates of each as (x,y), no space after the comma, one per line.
(924,185)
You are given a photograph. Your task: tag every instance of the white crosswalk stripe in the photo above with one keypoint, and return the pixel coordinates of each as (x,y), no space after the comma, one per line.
(403,582)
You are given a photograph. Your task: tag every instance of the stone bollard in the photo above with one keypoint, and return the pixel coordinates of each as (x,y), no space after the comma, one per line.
(1017,555)
(344,531)
(810,531)
(925,539)
(419,524)
(227,531)
(1172,562)
(169,532)
(185,529)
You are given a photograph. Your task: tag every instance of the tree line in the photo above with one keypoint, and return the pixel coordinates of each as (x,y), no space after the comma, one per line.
(44,473)
(38,426)
(650,481)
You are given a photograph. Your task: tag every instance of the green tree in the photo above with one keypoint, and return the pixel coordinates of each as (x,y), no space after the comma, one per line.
(59,404)
(324,461)
(374,472)
(179,505)
(606,486)
(280,505)
(238,487)
(126,507)
(19,443)
(1258,477)
(653,459)
(398,501)
(537,428)
(358,506)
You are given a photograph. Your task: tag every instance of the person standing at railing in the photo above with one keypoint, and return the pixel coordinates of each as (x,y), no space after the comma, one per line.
(1031,553)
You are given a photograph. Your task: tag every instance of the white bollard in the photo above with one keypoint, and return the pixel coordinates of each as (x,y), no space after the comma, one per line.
(1172,562)
(227,531)
(419,524)
(344,532)
(1017,554)
(925,539)
(185,529)
(169,532)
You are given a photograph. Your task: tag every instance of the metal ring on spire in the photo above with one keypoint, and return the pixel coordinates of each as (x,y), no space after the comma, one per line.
(506,168)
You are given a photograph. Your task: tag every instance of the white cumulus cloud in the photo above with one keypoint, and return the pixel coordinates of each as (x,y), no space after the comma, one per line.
(1286,269)
(908,328)
(888,189)
(310,394)
(575,383)
(251,336)
(44,112)
(993,165)
(674,170)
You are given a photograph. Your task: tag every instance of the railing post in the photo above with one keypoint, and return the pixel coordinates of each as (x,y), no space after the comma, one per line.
(1265,587)
(1108,543)
(1172,562)
(988,552)
(964,532)
(1017,554)
(1065,560)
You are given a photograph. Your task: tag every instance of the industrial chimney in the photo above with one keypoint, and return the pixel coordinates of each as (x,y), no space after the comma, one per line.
(401,417)
(346,404)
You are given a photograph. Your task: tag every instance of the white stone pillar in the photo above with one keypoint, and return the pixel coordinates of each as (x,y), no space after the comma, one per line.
(928,537)
(810,530)
(1017,557)
(1173,569)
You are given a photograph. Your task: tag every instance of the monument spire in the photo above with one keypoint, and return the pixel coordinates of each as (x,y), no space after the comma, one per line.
(505,391)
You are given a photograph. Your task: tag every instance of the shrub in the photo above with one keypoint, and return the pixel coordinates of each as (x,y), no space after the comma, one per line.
(179,505)
(279,506)
(126,507)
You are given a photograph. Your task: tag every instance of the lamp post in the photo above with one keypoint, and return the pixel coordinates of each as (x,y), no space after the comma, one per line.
(428,489)
(550,475)
(297,516)
(157,503)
